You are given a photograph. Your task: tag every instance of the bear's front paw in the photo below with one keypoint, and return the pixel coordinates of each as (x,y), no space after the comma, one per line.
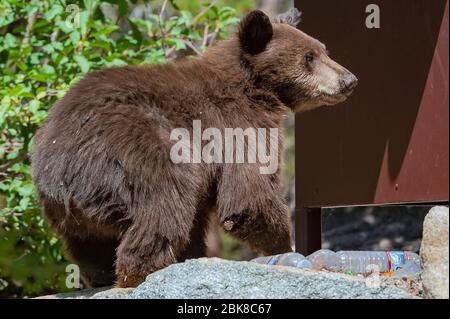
(127,278)
(129,281)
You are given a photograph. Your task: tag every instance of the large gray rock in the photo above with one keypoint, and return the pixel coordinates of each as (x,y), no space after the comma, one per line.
(434,253)
(217,278)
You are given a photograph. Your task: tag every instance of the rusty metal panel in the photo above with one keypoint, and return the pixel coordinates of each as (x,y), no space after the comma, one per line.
(389,142)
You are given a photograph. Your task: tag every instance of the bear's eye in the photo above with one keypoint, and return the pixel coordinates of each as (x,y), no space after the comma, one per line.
(309,57)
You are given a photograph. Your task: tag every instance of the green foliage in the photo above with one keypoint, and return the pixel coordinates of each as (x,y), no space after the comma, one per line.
(239,5)
(46,46)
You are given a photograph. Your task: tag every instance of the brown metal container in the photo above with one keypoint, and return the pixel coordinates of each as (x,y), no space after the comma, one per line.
(389,142)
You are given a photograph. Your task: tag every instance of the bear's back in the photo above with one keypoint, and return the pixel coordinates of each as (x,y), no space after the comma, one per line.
(110,125)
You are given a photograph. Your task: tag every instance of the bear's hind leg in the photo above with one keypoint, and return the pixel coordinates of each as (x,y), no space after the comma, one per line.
(161,219)
(94,255)
(150,244)
(141,254)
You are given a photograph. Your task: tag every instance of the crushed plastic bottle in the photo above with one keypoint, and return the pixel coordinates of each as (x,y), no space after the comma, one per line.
(288,259)
(366,261)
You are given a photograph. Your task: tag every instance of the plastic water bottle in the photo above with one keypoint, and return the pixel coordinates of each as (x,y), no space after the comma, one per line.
(322,259)
(411,268)
(366,261)
(288,259)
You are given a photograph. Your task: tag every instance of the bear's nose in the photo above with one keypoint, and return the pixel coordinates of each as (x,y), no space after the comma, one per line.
(349,82)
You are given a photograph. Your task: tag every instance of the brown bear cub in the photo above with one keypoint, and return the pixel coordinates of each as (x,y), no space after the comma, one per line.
(101,161)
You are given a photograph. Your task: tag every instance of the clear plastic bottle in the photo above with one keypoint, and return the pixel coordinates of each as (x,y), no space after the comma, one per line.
(411,268)
(288,259)
(322,259)
(365,261)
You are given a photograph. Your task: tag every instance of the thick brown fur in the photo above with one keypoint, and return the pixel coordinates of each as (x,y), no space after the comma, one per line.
(101,160)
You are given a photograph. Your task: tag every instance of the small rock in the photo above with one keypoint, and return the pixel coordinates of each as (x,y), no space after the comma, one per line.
(434,253)
(410,284)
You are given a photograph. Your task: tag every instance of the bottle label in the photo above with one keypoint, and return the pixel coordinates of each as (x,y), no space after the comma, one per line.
(395,259)
(274,260)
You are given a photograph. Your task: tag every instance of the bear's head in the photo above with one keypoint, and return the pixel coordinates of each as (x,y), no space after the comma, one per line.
(291,63)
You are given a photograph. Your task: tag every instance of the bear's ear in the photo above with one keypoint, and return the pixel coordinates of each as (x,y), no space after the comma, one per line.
(291,17)
(255,31)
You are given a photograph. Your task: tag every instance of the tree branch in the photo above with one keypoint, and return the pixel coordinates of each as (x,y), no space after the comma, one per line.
(206,9)
(189,44)
(30,22)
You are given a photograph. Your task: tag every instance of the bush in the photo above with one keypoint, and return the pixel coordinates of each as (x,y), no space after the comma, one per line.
(46,46)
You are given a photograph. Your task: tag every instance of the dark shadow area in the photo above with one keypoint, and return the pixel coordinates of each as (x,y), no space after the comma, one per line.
(373,228)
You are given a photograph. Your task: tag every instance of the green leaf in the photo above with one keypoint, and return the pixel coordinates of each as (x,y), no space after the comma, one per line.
(101,44)
(105,31)
(47,69)
(75,37)
(23,204)
(57,46)
(135,31)
(26,190)
(83,63)
(6,16)
(186,18)
(116,62)
(33,106)
(53,12)
(10,41)
(31,9)
(178,43)
(84,19)
(22,66)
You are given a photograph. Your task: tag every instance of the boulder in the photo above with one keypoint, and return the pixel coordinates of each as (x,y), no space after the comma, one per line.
(434,253)
(217,278)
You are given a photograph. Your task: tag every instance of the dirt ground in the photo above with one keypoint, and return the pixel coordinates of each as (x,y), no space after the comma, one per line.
(373,228)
